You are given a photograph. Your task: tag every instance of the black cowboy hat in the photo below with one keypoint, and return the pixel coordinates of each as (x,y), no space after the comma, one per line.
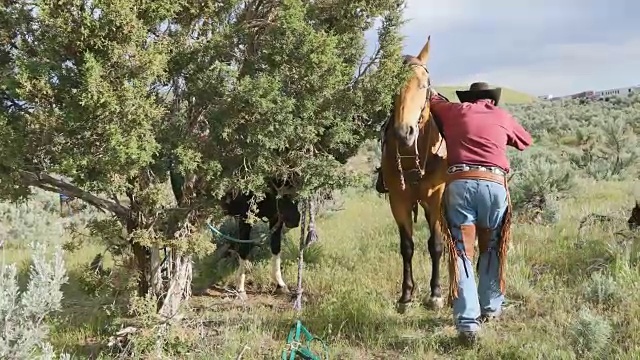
(479,90)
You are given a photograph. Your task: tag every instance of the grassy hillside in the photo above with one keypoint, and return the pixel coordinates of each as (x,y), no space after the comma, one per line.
(353,279)
(509,96)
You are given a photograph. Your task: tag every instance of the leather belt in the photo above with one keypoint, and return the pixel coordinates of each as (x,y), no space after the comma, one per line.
(464,167)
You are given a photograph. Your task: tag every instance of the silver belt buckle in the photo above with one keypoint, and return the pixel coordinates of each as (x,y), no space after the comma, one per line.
(491,169)
(465,167)
(455,168)
(497,171)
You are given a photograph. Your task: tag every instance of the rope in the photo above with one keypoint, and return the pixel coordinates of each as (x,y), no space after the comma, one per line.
(312,235)
(295,345)
(297,304)
(260,239)
(308,235)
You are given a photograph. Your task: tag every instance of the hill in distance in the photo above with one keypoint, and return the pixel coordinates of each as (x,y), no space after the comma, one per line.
(509,96)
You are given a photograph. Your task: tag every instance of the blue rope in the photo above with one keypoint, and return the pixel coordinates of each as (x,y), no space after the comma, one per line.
(218,233)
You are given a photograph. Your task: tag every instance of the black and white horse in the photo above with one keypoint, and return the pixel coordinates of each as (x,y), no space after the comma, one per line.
(281,211)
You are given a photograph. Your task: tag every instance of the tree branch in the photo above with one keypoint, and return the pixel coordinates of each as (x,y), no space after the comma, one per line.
(364,67)
(49,183)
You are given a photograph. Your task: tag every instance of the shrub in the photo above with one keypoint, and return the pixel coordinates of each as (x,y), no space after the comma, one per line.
(589,334)
(23,314)
(540,179)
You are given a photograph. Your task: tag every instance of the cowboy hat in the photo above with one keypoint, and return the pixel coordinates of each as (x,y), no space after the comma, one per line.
(479,90)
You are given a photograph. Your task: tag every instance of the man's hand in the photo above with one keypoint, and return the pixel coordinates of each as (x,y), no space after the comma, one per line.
(436,97)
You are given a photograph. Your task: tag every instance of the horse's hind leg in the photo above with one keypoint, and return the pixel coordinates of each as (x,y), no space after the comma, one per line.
(244,233)
(402,213)
(435,245)
(276,268)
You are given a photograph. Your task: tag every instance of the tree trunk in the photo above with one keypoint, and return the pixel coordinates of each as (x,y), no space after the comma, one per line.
(179,290)
(171,290)
(143,266)
(155,267)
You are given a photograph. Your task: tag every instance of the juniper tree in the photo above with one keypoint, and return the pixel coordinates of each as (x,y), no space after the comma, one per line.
(101,100)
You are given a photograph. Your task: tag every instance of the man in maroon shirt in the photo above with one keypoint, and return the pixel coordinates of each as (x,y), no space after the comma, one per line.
(476,199)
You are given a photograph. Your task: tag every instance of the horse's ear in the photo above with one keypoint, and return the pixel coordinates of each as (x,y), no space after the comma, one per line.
(424,53)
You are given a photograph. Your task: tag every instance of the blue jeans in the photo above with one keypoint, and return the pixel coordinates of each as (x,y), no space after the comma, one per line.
(481,203)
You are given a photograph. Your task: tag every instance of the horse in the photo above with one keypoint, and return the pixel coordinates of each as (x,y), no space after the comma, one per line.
(634,219)
(414,168)
(279,211)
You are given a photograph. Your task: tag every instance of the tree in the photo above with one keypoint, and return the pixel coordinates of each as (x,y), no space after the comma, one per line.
(104,100)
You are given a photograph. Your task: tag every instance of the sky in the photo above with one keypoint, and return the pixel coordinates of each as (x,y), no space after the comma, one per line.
(541,47)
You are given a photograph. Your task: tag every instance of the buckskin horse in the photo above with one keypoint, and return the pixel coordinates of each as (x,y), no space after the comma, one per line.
(279,211)
(413,171)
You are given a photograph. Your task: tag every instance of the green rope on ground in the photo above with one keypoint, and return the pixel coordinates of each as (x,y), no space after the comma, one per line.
(218,233)
(299,337)
(296,346)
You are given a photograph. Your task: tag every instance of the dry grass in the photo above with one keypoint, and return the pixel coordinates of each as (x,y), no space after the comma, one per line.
(569,294)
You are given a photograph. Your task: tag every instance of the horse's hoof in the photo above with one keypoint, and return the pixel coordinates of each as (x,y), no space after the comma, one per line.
(242,295)
(402,307)
(282,290)
(435,302)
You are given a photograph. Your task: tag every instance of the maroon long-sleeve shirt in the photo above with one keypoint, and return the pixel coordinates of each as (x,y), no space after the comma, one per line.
(478,133)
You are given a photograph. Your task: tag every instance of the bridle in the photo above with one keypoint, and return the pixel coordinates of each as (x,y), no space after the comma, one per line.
(419,166)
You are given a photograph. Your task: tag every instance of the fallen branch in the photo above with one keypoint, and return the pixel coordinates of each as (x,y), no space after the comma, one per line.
(593,218)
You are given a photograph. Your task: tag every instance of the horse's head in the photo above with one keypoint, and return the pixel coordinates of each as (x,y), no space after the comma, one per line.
(283,203)
(289,212)
(634,219)
(411,104)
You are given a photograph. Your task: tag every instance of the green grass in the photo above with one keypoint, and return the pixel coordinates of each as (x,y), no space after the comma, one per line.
(556,299)
(509,96)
